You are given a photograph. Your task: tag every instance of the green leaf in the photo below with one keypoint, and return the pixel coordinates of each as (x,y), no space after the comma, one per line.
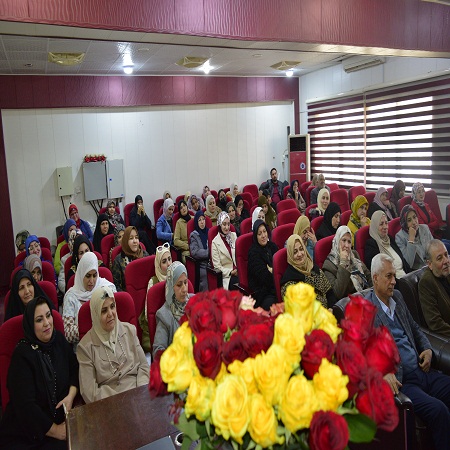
(361,428)
(208,427)
(234,444)
(188,427)
(186,442)
(251,445)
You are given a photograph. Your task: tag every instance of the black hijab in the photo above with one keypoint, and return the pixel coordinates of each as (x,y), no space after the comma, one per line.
(98,236)
(222,204)
(187,217)
(326,229)
(136,199)
(256,226)
(203,233)
(291,189)
(80,239)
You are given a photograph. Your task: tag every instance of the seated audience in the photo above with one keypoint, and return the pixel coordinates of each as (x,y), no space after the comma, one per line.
(33,247)
(398,191)
(67,228)
(301,268)
(113,216)
(235,220)
(212,210)
(303,229)
(331,221)
(169,315)
(164,225)
(42,377)
(381,242)
(143,224)
(428,390)
(86,280)
(294,194)
(323,200)
(180,237)
(260,257)
(269,213)
(21,237)
(242,212)
(23,289)
(314,195)
(102,229)
(33,264)
(195,203)
(167,194)
(274,186)
(343,267)
(131,250)
(359,217)
(413,238)
(84,226)
(223,248)
(110,356)
(434,288)
(81,245)
(234,191)
(258,213)
(199,247)
(222,199)
(381,203)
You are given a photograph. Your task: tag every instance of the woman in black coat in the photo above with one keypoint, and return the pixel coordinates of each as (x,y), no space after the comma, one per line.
(260,257)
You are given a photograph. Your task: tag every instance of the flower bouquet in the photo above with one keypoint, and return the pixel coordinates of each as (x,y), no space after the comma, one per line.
(94,158)
(283,380)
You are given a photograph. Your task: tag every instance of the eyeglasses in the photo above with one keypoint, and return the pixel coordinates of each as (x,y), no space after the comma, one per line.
(34,246)
(163,247)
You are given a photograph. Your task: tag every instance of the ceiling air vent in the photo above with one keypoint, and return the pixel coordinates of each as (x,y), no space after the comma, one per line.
(285,65)
(192,62)
(65,59)
(360,63)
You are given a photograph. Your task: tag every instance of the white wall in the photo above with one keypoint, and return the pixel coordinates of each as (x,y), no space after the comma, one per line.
(178,148)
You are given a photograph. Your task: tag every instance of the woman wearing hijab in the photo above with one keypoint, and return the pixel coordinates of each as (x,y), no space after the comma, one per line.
(258,213)
(331,221)
(169,315)
(102,229)
(212,210)
(381,203)
(180,237)
(42,377)
(164,225)
(343,267)
(24,288)
(235,220)
(223,248)
(110,356)
(81,245)
(423,210)
(113,217)
(413,238)
(323,200)
(86,280)
(294,194)
(234,191)
(33,264)
(143,224)
(398,191)
(260,256)
(381,242)
(195,203)
(33,247)
(131,250)
(242,212)
(70,244)
(269,212)
(303,229)
(81,224)
(301,268)
(68,227)
(359,217)
(222,200)
(199,247)
(21,237)
(166,194)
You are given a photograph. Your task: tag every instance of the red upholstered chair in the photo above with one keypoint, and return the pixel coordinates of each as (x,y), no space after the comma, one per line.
(45,243)
(49,289)
(333,186)
(340,196)
(103,210)
(361,237)
(125,313)
(126,213)
(389,191)
(305,185)
(345,217)
(369,196)
(46,255)
(243,244)
(48,272)
(447,214)
(157,205)
(252,209)
(252,189)
(214,193)
(432,200)
(285,192)
(59,239)
(214,275)
(285,205)
(307,196)
(247,197)
(315,223)
(116,250)
(279,267)
(322,250)
(179,198)
(394,227)
(281,234)
(64,250)
(354,191)
(246,226)
(405,200)
(308,209)
(11,332)
(288,216)
(107,244)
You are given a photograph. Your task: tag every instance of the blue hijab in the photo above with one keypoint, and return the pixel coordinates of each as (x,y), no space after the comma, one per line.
(31,238)
(69,223)
(203,233)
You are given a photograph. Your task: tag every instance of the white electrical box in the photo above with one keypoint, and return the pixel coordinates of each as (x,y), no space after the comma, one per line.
(114,178)
(64,181)
(94,175)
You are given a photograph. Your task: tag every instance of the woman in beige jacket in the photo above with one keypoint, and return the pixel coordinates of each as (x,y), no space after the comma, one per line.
(180,236)
(110,356)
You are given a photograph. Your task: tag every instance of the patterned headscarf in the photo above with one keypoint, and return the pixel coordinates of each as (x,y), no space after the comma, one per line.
(174,272)
(69,223)
(222,216)
(117,230)
(31,262)
(378,201)
(415,188)
(21,237)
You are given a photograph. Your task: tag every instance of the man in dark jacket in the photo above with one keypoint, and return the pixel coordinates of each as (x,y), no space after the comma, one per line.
(274,186)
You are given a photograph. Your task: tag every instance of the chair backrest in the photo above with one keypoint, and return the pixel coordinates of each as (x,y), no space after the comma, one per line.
(252,189)
(369,196)
(354,191)
(179,198)
(447,215)
(103,272)
(157,205)
(345,217)
(405,200)
(308,209)
(212,233)
(247,197)
(253,208)
(303,188)
(285,192)
(45,243)
(107,244)
(103,210)
(46,255)
(59,239)
(64,250)
(48,272)
(11,332)
(246,226)
(340,196)
(124,307)
(288,216)
(281,234)
(315,223)
(279,267)
(126,212)
(307,196)
(116,250)
(394,227)
(49,289)
(389,191)
(322,249)
(243,244)
(432,199)
(286,204)
(333,186)
(361,237)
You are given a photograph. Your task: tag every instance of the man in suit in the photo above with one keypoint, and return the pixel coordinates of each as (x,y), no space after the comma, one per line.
(428,390)
(434,288)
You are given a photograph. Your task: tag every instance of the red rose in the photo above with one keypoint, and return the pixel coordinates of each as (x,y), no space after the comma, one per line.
(353,363)
(377,402)
(318,345)
(249,317)
(328,431)
(227,299)
(208,353)
(234,349)
(203,316)
(156,386)
(257,338)
(382,352)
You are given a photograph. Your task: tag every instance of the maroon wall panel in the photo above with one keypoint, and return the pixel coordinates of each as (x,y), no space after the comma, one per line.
(18,92)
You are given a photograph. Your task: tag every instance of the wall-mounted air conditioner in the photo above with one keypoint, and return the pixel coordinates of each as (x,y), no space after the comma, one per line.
(356,63)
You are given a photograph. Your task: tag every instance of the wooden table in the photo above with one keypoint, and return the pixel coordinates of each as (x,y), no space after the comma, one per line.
(128,420)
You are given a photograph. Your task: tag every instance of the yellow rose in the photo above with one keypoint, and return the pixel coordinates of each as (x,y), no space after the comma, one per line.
(245,370)
(183,337)
(221,374)
(200,397)
(299,301)
(272,372)
(263,422)
(298,403)
(289,335)
(230,411)
(330,386)
(325,320)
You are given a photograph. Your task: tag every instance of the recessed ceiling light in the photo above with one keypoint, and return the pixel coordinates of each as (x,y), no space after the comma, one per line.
(207,67)
(289,73)
(128,70)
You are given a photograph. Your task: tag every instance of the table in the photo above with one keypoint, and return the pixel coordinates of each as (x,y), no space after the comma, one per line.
(125,421)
